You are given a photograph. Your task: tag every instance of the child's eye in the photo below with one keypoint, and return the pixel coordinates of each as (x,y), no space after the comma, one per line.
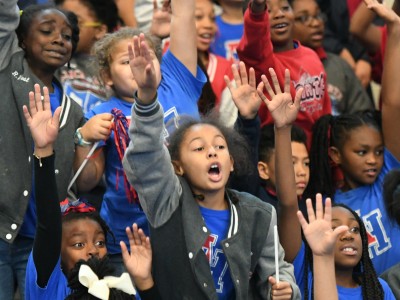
(307,163)
(45,32)
(220,147)
(100,244)
(78,245)
(361,153)
(67,37)
(355,230)
(379,152)
(285,8)
(199,149)
(125,62)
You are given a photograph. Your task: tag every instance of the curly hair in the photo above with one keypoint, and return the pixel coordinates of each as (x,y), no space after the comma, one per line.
(30,13)
(237,144)
(101,267)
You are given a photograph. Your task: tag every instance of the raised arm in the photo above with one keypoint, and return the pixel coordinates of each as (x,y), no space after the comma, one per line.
(126,11)
(284,112)
(322,240)
(44,130)
(183,40)
(147,162)
(391,70)
(361,27)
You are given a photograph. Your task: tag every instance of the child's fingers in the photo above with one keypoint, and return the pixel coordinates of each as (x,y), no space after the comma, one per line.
(236,75)
(46,99)
(260,92)
(297,97)
(136,236)
(268,88)
(131,55)
(272,280)
(136,46)
(328,210)
(56,116)
(32,103)
(124,251)
(38,98)
(155,5)
(252,78)
(243,73)
(287,81)
(310,211)
(275,81)
(27,115)
(302,220)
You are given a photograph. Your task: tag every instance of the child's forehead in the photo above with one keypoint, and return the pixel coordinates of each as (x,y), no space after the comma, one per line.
(81,226)
(340,214)
(203,131)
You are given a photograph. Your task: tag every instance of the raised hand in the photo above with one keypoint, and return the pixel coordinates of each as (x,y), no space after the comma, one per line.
(42,124)
(319,233)
(244,94)
(138,261)
(281,106)
(97,128)
(161,22)
(382,10)
(142,67)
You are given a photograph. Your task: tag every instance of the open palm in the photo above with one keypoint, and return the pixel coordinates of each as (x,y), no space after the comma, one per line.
(281,106)
(42,124)
(318,232)
(244,92)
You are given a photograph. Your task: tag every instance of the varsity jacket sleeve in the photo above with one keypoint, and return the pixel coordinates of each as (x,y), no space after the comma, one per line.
(266,263)
(47,244)
(9,19)
(255,47)
(148,166)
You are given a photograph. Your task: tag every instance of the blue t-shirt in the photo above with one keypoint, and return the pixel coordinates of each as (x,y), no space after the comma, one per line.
(116,210)
(217,222)
(367,201)
(344,293)
(57,286)
(178,93)
(28,227)
(227,39)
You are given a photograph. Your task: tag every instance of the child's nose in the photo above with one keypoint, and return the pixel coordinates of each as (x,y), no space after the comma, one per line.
(93,251)
(212,152)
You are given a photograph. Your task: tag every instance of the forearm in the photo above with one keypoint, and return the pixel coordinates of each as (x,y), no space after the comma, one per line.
(92,172)
(324,278)
(362,27)
(126,11)
(183,36)
(148,166)
(289,227)
(9,19)
(47,245)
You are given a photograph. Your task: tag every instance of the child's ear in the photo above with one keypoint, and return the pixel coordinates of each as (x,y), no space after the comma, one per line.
(334,154)
(263,170)
(178,168)
(232,163)
(100,32)
(106,77)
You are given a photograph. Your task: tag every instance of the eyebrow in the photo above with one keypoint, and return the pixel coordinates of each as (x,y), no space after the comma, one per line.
(199,138)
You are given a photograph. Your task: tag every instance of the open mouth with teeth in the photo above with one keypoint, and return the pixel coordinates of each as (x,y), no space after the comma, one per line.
(214,172)
(349,251)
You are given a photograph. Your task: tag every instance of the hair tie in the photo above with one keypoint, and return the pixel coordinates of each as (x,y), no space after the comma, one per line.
(75,206)
(20,12)
(100,288)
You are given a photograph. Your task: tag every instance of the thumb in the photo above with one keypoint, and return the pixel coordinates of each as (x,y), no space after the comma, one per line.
(297,97)
(272,280)
(56,116)
(339,230)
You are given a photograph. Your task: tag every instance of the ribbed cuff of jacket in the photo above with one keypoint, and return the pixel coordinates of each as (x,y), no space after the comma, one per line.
(145,110)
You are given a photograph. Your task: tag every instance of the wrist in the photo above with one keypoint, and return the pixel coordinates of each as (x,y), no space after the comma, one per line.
(79,139)
(43,152)
(143,284)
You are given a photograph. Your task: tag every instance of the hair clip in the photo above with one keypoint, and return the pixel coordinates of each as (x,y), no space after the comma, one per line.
(76,206)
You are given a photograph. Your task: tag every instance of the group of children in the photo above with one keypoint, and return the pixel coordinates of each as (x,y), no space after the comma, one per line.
(174,172)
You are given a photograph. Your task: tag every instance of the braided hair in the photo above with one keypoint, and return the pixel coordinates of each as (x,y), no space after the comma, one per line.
(101,267)
(364,273)
(332,131)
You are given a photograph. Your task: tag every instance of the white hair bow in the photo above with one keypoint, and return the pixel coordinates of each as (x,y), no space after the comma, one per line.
(101,288)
